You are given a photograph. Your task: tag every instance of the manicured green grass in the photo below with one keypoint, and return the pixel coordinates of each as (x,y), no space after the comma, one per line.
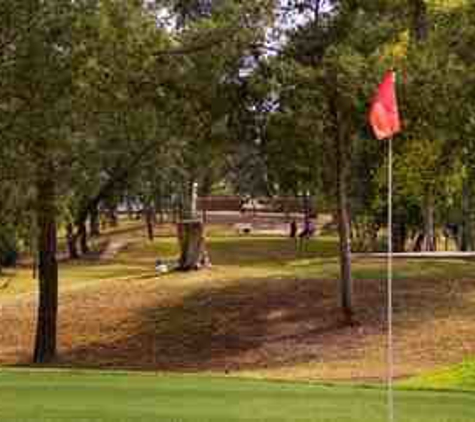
(459,377)
(42,396)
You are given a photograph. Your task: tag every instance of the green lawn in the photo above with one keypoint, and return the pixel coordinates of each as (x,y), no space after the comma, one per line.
(61,396)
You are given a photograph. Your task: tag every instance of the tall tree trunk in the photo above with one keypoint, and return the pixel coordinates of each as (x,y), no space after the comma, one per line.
(342,149)
(344,231)
(45,341)
(45,208)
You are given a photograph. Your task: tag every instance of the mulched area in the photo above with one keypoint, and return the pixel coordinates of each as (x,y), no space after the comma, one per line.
(278,327)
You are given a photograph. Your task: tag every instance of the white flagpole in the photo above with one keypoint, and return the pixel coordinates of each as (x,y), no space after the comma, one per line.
(390,350)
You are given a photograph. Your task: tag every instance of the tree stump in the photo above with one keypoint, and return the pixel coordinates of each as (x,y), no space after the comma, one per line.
(192,246)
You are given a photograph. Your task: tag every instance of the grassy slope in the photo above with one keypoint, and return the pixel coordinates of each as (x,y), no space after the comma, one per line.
(269,266)
(49,396)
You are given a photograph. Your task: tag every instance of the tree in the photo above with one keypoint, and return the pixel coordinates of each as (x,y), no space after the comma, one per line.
(36,85)
(205,90)
(331,54)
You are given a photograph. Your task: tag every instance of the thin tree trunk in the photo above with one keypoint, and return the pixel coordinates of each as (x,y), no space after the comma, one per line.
(71,239)
(34,253)
(112,217)
(306,205)
(429,243)
(45,341)
(82,234)
(150,221)
(342,143)
(130,210)
(344,231)
(94,222)
(204,204)
(159,205)
(466,243)
(399,233)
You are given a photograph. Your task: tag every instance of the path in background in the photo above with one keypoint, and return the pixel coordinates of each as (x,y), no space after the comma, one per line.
(263,222)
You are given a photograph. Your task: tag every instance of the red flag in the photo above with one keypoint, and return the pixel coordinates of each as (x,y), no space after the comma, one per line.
(384,114)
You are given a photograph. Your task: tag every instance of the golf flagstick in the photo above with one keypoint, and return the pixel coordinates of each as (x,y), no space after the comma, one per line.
(390,340)
(385,122)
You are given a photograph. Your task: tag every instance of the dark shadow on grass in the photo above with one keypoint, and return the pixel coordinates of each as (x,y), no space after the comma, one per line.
(263,324)
(247,325)
(257,324)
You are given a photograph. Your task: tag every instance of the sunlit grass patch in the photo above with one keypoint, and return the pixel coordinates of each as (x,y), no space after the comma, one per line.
(458,377)
(270,256)
(72,274)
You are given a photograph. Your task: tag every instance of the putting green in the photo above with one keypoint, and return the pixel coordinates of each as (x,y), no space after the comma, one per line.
(120,397)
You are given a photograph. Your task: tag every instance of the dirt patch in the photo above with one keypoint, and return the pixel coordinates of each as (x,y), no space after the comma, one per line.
(277,327)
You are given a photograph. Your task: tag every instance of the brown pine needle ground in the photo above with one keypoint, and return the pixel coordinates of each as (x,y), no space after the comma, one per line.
(261,311)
